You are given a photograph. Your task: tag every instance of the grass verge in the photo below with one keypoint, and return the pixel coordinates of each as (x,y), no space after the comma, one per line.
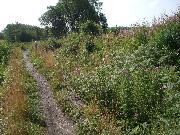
(21,114)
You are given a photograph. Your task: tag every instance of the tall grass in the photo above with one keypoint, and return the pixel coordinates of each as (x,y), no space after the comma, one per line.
(17,102)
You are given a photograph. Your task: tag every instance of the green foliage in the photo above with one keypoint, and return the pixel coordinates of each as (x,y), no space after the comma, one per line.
(91,28)
(1,36)
(141,35)
(132,78)
(4,52)
(117,29)
(72,45)
(67,16)
(163,48)
(23,33)
(135,95)
(139,88)
(55,17)
(4,55)
(90,47)
(34,117)
(53,44)
(20,114)
(167,39)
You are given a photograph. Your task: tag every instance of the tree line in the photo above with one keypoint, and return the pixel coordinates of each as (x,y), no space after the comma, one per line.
(59,20)
(23,33)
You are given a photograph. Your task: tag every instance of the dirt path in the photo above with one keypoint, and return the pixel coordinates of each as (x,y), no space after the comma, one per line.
(57,123)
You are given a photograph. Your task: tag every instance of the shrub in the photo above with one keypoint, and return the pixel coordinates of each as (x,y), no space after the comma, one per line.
(167,40)
(4,55)
(141,36)
(161,47)
(134,80)
(53,44)
(137,96)
(90,46)
(4,52)
(91,28)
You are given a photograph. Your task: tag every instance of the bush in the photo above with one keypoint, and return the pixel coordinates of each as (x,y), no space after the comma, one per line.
(4,55)
(161,46)
(90,46)
(167,41)
(72,46)
(91,28)
(135,95)
(135,87)
(141,35)
(169,36)
(132,80)
(1,36)
(53,44)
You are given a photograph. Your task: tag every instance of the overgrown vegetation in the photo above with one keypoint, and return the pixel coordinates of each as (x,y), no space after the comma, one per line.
(4,55)
(23,33)
(19,111)
(68,15)
(116,81)
(129,80)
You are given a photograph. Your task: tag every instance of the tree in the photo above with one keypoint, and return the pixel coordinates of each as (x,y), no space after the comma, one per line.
(68,15)
(23,33)
(1,36)
(54,18)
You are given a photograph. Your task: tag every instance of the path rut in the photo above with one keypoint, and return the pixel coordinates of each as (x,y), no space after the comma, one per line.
(57,123)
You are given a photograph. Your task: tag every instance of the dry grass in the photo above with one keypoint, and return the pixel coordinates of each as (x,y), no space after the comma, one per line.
(46,56)
(15,98)
(49,59)
(105,120)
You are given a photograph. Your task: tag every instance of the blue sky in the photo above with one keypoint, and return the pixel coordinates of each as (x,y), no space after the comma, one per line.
(118,12)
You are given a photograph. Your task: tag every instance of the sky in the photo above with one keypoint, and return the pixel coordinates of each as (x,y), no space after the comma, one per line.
(127,12)
(118,12)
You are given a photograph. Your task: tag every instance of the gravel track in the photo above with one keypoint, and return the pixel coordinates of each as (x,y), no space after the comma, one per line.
(57,123)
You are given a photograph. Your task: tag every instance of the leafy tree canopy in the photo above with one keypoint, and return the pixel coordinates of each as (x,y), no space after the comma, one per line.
(23,33)
(1,36)
(68,15)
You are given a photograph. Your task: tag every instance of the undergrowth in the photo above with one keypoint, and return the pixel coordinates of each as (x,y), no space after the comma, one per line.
(129,81)
(20,114)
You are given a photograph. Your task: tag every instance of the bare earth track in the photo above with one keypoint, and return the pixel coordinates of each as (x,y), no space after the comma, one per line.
(57,123)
